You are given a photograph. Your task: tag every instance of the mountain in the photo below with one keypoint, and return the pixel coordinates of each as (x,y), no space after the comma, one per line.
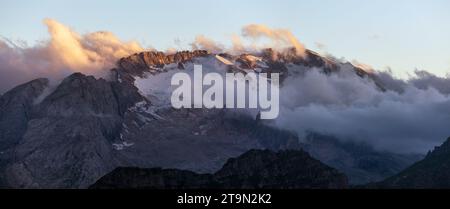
(86,127)
(67,136)
(433,172)
(360,162)
(252,170)
(70,135)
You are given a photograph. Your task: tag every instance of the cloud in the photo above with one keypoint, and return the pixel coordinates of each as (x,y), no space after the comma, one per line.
(65,52)
(204,43)
(279,37)
(410,119)
(426,80)
(250,41)
(237,45)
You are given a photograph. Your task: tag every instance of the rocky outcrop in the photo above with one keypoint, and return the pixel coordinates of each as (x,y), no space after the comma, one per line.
(151,61)
(277,63)
(289,169)
(67,142)
(253,170)
(268,61)
(311,59)
(15,111)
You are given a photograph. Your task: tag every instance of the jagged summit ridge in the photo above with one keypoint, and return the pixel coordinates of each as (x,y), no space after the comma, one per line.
(152,60)
(265,60)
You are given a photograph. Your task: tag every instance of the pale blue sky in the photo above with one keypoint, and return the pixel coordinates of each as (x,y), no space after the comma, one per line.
(403,34)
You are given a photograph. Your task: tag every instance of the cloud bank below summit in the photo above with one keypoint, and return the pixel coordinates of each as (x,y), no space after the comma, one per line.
(409,117)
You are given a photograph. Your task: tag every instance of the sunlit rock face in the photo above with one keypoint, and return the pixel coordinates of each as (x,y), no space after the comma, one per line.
(151,61)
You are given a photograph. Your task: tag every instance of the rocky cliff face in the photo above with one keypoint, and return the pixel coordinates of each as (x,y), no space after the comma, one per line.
(15,111)
(152,61)
(252,170)
(67,136)
(268,60)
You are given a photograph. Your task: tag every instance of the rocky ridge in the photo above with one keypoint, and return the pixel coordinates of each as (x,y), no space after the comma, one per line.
(254,169)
